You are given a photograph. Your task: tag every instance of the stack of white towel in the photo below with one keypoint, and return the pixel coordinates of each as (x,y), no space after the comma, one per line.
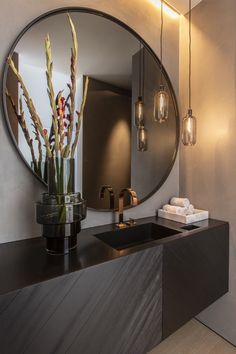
(179,206)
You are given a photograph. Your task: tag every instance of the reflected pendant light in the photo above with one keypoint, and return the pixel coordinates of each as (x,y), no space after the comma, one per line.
(189,128)
(161,98)
(139,105)
(142,139)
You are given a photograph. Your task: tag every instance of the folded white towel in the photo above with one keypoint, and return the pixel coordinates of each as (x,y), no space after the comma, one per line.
(190,210)
(174,209)
(180,202)
(179,210)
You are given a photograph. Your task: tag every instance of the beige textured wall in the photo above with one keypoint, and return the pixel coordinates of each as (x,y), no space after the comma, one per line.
(208,170)
(18,188)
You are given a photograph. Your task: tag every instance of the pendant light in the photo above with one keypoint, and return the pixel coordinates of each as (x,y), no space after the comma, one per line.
(189,128)
(161,98)
(139,105)
(142,139)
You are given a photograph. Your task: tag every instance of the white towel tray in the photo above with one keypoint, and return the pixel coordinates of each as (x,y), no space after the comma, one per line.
(184,219)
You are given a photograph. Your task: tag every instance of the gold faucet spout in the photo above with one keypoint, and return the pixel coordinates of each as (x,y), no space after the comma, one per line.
(134,202)
(111,194)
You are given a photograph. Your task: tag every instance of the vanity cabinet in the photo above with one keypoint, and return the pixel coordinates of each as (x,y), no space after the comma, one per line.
(195,274)
(99,300)
(115,307)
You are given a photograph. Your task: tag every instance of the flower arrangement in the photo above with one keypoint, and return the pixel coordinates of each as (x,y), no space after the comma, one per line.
(61,209)
(60,142)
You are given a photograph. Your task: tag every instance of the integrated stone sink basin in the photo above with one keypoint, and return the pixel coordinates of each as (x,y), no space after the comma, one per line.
(135,235)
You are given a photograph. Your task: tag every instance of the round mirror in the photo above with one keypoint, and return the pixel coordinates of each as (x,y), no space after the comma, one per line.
(122,143)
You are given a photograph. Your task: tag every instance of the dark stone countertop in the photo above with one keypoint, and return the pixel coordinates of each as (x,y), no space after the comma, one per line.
(24,263)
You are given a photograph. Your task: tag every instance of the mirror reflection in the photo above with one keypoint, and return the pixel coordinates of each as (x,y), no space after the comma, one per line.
(121,144)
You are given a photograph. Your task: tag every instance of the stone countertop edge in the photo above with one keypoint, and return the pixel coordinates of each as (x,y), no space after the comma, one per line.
(25,263)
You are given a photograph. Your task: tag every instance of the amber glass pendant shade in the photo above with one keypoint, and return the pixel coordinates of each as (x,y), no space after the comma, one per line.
(189,129)
(189,125)
(161,105)
(142,139)
(139,112)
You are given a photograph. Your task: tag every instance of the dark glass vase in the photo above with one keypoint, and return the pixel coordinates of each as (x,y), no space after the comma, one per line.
(61,209)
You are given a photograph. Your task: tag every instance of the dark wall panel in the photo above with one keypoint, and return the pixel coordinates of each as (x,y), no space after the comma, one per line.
(106,141)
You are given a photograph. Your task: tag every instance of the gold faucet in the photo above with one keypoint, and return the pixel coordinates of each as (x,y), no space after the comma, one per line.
(111,193)
(134,202)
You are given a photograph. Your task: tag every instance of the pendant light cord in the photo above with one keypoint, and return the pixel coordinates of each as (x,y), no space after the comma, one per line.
(143,71)
(161,42)
(190,52)
(140,67)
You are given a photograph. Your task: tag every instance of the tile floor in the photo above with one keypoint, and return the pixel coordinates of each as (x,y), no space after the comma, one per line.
(194,338)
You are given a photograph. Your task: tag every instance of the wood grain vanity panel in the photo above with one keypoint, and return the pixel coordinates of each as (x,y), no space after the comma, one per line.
(115,307)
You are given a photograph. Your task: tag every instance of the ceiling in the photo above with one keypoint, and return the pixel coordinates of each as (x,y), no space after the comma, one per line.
(182,5)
